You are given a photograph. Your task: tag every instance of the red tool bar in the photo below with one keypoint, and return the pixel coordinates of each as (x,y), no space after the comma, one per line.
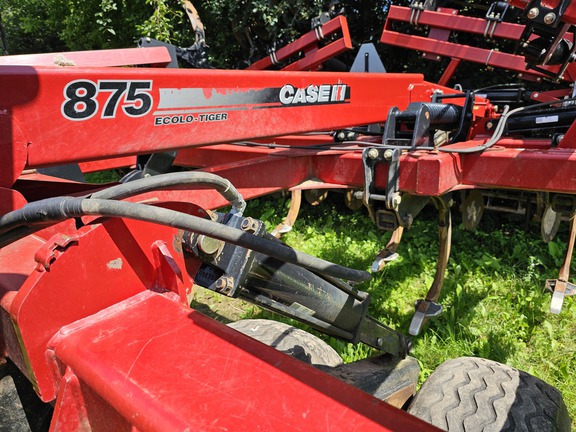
(308,44)
(55,116)
(164,367)
(423,173)
(447,21)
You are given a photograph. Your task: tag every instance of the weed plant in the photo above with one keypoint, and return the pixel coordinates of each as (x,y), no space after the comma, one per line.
(494,302)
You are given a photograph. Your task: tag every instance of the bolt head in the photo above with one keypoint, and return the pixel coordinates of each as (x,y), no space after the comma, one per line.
(373,153)
(388,154)
(209,245)
(533,13)
(549,18)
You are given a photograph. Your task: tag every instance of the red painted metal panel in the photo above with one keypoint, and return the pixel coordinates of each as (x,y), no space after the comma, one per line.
(10,200)
(165,367)
(106,264)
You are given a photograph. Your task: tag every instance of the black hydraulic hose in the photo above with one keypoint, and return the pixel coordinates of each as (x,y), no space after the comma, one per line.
(44,213)
(499,130)
(147,184)
(57,209)
(135,187)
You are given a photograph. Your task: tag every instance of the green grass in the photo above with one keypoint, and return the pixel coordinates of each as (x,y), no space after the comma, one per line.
(493,297)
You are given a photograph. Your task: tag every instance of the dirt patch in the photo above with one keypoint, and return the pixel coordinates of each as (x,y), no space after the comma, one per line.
(220,307)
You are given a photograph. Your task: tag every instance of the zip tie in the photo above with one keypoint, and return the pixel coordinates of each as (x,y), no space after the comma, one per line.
(319,32)
(488,58)
(273,57)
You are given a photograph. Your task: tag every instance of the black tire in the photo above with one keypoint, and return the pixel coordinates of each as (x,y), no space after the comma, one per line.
(474,394)
(290,340)
(21,410)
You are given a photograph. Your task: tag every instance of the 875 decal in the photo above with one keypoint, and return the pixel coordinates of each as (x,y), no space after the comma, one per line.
(81,97)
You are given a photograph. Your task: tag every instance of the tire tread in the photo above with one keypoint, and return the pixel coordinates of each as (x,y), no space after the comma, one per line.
(473,394)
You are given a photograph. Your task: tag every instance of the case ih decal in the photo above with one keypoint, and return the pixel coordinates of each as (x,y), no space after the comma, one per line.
(313,94)
(84,99)
(189,105)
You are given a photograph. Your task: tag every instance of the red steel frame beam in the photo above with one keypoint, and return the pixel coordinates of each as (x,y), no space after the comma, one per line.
(308,44)
(103,113)
(154,56)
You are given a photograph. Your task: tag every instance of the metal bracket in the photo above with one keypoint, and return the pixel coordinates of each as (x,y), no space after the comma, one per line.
(151,165)
(226,266)
(417,7)
(494,16)
(370,158)
(52,249)
(419,114)
(317,23)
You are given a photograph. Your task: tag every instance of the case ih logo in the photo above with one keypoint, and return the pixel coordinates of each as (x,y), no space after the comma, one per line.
(314,94)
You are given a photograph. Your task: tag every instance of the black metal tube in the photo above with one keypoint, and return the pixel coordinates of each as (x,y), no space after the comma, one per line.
(305,291)
(277,307)
(440,114)
(558,120)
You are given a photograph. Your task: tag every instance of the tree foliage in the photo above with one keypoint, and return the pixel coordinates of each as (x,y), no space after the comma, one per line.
(237,31)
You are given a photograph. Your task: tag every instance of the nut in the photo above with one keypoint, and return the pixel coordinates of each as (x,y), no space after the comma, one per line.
(224,284)
(249,225)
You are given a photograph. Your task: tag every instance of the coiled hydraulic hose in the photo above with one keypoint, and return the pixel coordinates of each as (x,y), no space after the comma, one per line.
(197,178)
(53,210)
(136,187)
